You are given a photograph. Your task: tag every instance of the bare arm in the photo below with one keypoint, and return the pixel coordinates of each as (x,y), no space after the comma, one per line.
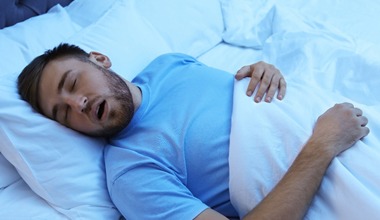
(335,131)
(291,197)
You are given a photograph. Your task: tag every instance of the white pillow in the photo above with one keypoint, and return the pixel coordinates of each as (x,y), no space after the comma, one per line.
(63,167)
(93,11)
(247,23)
(18,46)
(253,23)
(18,201)
(189,26)
(22,42)
(125,37)
(8,173)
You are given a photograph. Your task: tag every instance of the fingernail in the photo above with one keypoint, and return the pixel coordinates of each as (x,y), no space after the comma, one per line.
(268,99)
(249,93)
(280,97)
(258,99)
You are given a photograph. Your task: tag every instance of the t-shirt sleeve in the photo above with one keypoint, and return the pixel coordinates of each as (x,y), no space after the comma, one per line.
(151,193)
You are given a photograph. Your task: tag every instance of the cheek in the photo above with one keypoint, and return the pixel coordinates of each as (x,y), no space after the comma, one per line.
(99,85)
(81,123)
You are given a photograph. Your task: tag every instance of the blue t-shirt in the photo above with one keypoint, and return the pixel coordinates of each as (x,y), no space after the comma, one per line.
(171,161)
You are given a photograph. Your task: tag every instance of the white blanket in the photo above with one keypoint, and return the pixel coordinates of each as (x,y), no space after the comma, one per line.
(322,68)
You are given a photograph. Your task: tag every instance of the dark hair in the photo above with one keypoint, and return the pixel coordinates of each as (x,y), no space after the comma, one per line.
(30,76)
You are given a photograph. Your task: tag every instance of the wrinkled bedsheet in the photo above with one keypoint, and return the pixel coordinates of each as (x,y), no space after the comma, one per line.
(323,66)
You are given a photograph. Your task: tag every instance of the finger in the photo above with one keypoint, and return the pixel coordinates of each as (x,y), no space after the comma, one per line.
(358,112)
(282,89)
(347,104)
(365,132)
(264,84)
(274,85)
(257,74)
(364,129)
(363,121)
(243,72)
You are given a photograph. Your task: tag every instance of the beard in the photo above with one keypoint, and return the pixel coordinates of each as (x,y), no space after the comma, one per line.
(120,115)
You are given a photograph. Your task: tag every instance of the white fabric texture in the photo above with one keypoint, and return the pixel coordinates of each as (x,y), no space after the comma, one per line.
(67,170)
(322,66)
(93,11)
(8,173)
(266,138)
(20,47)
(188,26)
(125,37)
(230,58)
(18,201)
(330,48)
(247,23)
(355,18)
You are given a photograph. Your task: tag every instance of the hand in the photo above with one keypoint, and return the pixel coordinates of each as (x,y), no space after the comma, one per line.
(267,77)
(340,127)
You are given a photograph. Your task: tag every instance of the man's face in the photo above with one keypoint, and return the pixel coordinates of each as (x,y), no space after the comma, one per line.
(85,96)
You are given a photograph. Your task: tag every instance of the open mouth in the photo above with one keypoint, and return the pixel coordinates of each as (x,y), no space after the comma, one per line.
(101,109)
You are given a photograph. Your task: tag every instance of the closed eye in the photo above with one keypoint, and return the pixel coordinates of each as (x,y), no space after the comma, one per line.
(73,86)
(67,111)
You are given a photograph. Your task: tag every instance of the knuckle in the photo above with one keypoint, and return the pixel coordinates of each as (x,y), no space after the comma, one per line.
(246,67)
(264,84)
(242,69)
(266,80)
(256,76)
(283,81)
(275,83)
(261,62)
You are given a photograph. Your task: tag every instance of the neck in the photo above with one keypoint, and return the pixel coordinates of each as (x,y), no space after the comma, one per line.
(136,94)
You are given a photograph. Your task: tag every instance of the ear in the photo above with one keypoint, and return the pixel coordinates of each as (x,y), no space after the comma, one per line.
(100,59)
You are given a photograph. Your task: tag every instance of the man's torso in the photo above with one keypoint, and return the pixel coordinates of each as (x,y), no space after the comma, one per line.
(180,132)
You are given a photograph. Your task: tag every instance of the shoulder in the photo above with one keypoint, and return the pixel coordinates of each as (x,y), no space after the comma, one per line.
(173,57)
(172,60)
(164,65)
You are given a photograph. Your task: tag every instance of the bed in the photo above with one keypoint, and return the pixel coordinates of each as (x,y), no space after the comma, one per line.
(327,50)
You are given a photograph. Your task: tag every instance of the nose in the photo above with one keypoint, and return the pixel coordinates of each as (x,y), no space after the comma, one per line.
(77,102)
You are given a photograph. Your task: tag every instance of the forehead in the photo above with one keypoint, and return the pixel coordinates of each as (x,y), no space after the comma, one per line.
(54,69)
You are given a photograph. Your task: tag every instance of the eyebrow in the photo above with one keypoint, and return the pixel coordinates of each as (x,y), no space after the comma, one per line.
(59,89)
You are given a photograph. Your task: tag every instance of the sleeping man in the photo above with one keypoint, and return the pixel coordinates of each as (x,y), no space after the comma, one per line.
(168,131)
